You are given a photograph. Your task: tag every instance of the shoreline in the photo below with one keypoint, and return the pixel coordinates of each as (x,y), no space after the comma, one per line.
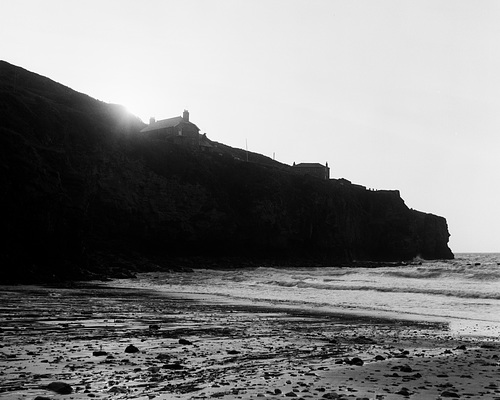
(458,325)
(190,349)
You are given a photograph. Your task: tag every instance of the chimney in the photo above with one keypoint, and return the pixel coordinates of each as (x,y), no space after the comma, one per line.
(152,120)
(185,116)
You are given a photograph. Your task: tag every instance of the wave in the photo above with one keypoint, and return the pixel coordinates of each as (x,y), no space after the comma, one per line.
(419,273)
(415,290)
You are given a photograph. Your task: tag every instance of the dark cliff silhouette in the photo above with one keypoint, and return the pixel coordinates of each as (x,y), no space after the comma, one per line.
(82,191)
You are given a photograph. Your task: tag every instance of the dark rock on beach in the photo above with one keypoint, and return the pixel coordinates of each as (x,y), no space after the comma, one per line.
(174,366)
(131,349)
(450,394)
(355,361)
(60,387)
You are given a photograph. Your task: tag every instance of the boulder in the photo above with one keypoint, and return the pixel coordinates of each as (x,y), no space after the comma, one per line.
(60,387)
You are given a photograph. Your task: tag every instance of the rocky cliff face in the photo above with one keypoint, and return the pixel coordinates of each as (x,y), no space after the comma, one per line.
(78,182)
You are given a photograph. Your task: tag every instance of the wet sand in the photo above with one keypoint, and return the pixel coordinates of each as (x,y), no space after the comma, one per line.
(137,344)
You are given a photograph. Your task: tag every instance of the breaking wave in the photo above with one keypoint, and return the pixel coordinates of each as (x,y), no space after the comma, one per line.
(432,291)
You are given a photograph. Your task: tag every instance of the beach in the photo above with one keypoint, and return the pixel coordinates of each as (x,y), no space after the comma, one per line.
(103,341)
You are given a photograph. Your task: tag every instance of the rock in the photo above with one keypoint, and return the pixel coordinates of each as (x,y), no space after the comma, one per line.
(174,366)
(331,395)
(404,392)
(405,368)
(291,394)
(185,342)
(60,387)
(233,352)
(42,398)
(99,353)
(363,340)
(356,361)
(154,327)
(447,393)
(117,389)
(131,349)
(379,358)
(277,391)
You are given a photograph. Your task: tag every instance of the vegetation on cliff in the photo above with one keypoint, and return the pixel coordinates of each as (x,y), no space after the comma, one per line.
(82,189)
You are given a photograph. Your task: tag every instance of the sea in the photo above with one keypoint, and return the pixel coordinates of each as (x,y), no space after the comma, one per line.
(463,293)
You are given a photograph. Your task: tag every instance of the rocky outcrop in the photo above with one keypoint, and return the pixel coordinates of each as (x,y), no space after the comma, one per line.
(80,186)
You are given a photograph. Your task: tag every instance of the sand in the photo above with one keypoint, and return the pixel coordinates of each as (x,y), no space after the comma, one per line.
(181,348)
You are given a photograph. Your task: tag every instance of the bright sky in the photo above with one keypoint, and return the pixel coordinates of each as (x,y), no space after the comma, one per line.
(394,94)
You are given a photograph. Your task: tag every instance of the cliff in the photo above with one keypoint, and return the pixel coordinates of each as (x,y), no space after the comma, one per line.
(82,190)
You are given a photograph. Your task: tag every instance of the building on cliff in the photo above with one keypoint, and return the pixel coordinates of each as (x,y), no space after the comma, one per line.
(313,169)
(178,130)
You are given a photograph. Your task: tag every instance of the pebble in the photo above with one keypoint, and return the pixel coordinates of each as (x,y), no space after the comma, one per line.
(449,394)
(356,361)
(404,392)
(131,349)
(60,387)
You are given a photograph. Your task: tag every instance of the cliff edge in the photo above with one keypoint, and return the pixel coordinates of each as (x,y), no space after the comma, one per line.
(82,189)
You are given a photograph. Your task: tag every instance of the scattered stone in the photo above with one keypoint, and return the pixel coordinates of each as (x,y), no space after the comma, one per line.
(331,395)
(402,354)
(99,353)
(404,392)
(42,398)
(117,389)
(60,387)
(233,352)
(175,366)
(405,368)
(185,342)
(356,361)
(154,327)
(363,340)
(131,349)
(447,393)
(291,394)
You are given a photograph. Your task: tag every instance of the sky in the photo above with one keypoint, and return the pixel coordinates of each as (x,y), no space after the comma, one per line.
(393,94)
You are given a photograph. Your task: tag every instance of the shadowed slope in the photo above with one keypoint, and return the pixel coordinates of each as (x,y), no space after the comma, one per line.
(79,184)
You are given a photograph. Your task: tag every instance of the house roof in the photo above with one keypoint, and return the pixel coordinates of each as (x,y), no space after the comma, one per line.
(165,123)
(309,165)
